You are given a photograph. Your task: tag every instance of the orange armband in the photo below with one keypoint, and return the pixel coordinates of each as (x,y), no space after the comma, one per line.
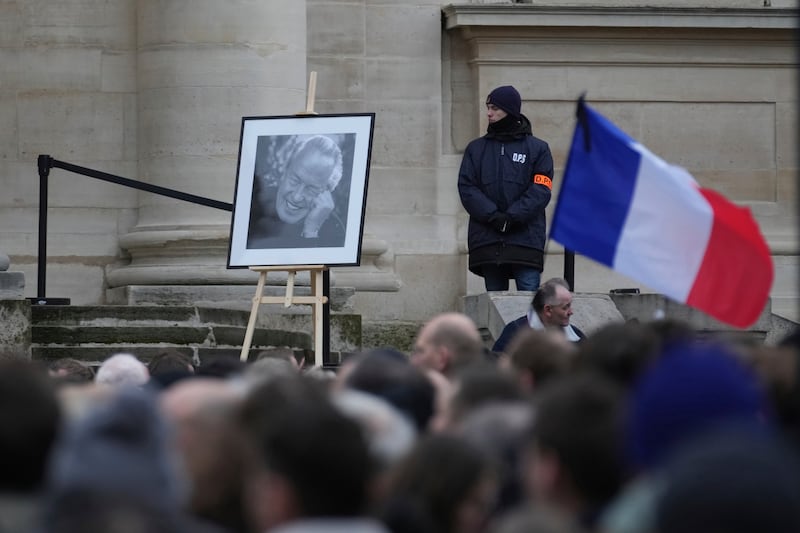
(541,179)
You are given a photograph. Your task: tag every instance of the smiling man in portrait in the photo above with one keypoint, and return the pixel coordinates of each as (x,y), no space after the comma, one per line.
(299,209)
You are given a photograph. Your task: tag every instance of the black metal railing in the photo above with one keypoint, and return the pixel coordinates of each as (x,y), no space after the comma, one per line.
(45,163)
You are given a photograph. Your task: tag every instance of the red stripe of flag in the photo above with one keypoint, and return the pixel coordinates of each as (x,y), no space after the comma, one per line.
(735,278)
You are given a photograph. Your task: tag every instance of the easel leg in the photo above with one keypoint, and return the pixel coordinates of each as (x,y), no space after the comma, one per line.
(289,289)
(251,323)
(316,290)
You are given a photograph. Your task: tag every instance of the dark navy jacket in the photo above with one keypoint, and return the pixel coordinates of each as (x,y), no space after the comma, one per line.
(513,175)
(513,327)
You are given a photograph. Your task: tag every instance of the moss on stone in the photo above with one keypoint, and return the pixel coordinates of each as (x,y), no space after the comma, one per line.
(348,328)
(15,335)
(398,335)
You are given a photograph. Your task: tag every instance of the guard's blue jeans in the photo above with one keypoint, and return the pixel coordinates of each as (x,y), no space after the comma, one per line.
(496,277)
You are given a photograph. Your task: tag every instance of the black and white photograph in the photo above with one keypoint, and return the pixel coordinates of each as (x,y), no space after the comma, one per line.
(301,190)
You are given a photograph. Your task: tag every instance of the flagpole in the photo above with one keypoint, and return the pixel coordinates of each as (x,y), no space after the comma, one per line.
(569,255)
(569,269)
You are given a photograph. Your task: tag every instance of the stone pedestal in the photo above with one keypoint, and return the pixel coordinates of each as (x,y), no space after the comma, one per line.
(15,335)
(15,315)
(492,311)
(12,285)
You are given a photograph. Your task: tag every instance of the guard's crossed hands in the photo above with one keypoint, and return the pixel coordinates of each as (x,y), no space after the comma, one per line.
(500,221)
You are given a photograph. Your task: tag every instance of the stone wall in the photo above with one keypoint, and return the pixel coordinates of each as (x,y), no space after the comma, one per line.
(711,87)
(155,90)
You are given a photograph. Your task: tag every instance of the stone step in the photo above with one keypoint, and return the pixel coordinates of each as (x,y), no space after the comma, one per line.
(151,315)
(94,355)
(227,296)
(91,333)
(175,335)
(64,315)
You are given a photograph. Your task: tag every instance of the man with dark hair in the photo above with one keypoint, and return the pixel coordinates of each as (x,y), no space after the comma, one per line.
(170,361)
(30,418)
(168,367)
(621,351)
(551,309)
(539,356)
(69,370)
(731,480)
(478,386)
(312,463)
(394,379)
(576,464)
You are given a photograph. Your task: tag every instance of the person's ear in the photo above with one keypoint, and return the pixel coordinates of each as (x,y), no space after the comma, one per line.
(544,473)
(526,380)
(269,500)
(443,359)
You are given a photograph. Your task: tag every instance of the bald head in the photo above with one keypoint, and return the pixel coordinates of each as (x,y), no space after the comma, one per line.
(192,398)
(454,324)
(447,342)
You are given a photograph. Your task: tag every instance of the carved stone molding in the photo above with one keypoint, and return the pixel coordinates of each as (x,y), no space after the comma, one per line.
(376,273)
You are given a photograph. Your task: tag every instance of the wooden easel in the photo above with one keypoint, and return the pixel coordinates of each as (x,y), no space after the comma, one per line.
(317,299)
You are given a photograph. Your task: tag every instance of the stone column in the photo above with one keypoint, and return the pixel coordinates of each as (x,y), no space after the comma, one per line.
(202,66)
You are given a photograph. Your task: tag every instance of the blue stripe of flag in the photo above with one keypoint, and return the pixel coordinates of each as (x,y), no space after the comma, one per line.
(597,188)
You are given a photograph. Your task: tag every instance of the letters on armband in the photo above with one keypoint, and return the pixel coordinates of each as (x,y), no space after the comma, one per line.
(541,179)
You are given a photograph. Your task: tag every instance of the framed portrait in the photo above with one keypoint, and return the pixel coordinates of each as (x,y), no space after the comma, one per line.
(301,190)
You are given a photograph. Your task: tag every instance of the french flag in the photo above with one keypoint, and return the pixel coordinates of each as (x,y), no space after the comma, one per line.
(626,208)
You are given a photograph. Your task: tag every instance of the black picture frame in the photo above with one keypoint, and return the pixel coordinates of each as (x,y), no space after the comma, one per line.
(301,190)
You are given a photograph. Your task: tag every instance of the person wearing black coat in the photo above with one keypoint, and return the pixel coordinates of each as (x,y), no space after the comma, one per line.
(505,183)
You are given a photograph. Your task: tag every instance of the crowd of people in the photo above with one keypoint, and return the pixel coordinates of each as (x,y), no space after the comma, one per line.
(638,427)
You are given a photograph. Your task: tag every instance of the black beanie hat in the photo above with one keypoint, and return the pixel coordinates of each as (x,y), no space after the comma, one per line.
(506,98)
